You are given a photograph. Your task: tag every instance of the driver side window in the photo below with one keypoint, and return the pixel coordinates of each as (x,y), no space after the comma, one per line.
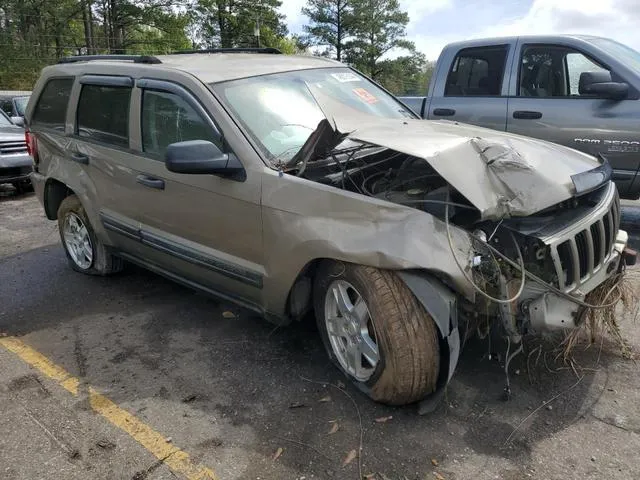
(167,118)
(553,71)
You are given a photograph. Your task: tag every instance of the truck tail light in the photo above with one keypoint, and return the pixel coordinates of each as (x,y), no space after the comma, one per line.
(32,145)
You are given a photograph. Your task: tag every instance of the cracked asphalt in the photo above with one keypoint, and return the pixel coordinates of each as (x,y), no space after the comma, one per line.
(220,387)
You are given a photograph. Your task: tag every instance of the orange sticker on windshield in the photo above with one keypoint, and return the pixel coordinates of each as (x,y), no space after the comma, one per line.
(364,95)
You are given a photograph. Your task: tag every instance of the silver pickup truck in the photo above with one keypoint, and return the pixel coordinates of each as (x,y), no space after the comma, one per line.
(578,91)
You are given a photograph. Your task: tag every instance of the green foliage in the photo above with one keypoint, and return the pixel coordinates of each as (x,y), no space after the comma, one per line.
(330,24)
(380,26)
(232,23)
(407,75)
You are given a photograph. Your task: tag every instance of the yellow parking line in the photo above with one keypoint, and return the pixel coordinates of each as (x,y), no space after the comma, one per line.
(177,460)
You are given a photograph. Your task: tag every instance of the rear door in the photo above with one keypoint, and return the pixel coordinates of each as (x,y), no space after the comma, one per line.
(546,104)
(474,91)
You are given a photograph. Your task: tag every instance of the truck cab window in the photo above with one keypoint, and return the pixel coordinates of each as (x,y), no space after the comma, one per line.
(552,71)
(477,72)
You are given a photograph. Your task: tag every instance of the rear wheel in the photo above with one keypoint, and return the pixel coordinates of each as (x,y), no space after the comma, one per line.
(85,252)
(377,333)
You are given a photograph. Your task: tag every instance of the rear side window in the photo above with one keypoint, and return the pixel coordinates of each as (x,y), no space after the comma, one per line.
(103,114)
(477,72)
(51,109)
(167,118)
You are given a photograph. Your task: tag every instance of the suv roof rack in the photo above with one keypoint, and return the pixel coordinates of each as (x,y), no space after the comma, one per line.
(88,58)
(231,50)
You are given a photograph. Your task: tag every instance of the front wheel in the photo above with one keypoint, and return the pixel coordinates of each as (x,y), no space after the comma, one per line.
(376,332)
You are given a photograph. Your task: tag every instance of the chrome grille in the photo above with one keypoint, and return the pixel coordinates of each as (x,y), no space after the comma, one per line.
(12,148)
(583,251)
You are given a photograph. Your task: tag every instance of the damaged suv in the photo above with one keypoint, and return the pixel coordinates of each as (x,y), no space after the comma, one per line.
(292,184)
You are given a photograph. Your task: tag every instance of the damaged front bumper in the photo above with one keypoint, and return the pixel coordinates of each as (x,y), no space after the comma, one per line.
(585,254)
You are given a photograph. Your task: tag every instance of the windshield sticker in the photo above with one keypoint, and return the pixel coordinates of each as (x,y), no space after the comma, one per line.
(344,77)
(365,96)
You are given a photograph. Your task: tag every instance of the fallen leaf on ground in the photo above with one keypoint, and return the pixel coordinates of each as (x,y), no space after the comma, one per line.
(325,399)
(228,314)
(189,398)
(349,458)
(106,444)
(278,453)
(296,405)
(341,385)
(384,419)
(334,428)
(434,462)
(438,476)
(370,476)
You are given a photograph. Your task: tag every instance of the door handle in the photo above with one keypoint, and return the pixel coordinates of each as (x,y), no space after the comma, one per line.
(444,112)
(527,115)
(150,182)
(80,158)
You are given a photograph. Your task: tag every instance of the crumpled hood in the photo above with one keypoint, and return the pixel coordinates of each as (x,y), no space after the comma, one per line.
(500,174)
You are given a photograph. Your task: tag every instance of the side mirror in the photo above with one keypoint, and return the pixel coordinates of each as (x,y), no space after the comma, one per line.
(18,121)
(202,157)
(600,84)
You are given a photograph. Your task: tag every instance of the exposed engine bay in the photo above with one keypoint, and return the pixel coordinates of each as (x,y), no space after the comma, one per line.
(505,250)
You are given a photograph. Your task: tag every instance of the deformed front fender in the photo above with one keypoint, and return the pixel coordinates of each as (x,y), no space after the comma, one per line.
(442,304)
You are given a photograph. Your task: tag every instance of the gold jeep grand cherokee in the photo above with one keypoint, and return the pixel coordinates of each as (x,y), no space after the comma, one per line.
(294,184)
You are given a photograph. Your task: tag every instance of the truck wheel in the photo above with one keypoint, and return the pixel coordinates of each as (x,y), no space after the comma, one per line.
(376,332)
(85,252)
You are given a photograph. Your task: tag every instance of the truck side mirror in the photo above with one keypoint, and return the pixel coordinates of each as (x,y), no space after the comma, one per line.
(600,84)
(18,121)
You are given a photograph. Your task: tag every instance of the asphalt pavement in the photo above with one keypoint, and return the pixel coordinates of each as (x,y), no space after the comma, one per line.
(220,390)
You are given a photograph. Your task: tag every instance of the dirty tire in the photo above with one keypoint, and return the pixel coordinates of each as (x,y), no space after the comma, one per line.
(104,263)
(406,335)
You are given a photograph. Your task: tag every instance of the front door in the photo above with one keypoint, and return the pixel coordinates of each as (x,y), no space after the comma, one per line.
(205,229)
(547,104)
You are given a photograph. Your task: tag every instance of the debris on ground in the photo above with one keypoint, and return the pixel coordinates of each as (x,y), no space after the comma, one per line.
(334,428)
(383,419)
(228,314)
(168,439)
(434,462)
(189,398)
(349,458)
(438,476)
(106,444)
(598,322)
(278,452)
(325,399)
(296,405)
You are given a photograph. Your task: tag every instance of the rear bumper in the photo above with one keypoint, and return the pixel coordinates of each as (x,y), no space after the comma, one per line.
(15,168)
(38,181)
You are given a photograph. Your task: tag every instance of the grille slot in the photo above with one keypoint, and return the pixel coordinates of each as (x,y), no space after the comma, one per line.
(12,148)
(578,254)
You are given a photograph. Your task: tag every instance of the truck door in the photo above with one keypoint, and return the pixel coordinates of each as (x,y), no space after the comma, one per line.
(473,90)
(546,103)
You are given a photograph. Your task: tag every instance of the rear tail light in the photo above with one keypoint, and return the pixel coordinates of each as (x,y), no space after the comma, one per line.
(32,145)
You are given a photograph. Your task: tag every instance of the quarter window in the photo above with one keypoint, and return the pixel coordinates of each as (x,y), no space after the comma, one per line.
(167,118)
(51,109)
(477,72)
(103,114)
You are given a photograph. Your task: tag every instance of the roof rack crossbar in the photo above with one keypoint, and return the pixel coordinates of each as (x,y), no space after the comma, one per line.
(231,50)
(88,58)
